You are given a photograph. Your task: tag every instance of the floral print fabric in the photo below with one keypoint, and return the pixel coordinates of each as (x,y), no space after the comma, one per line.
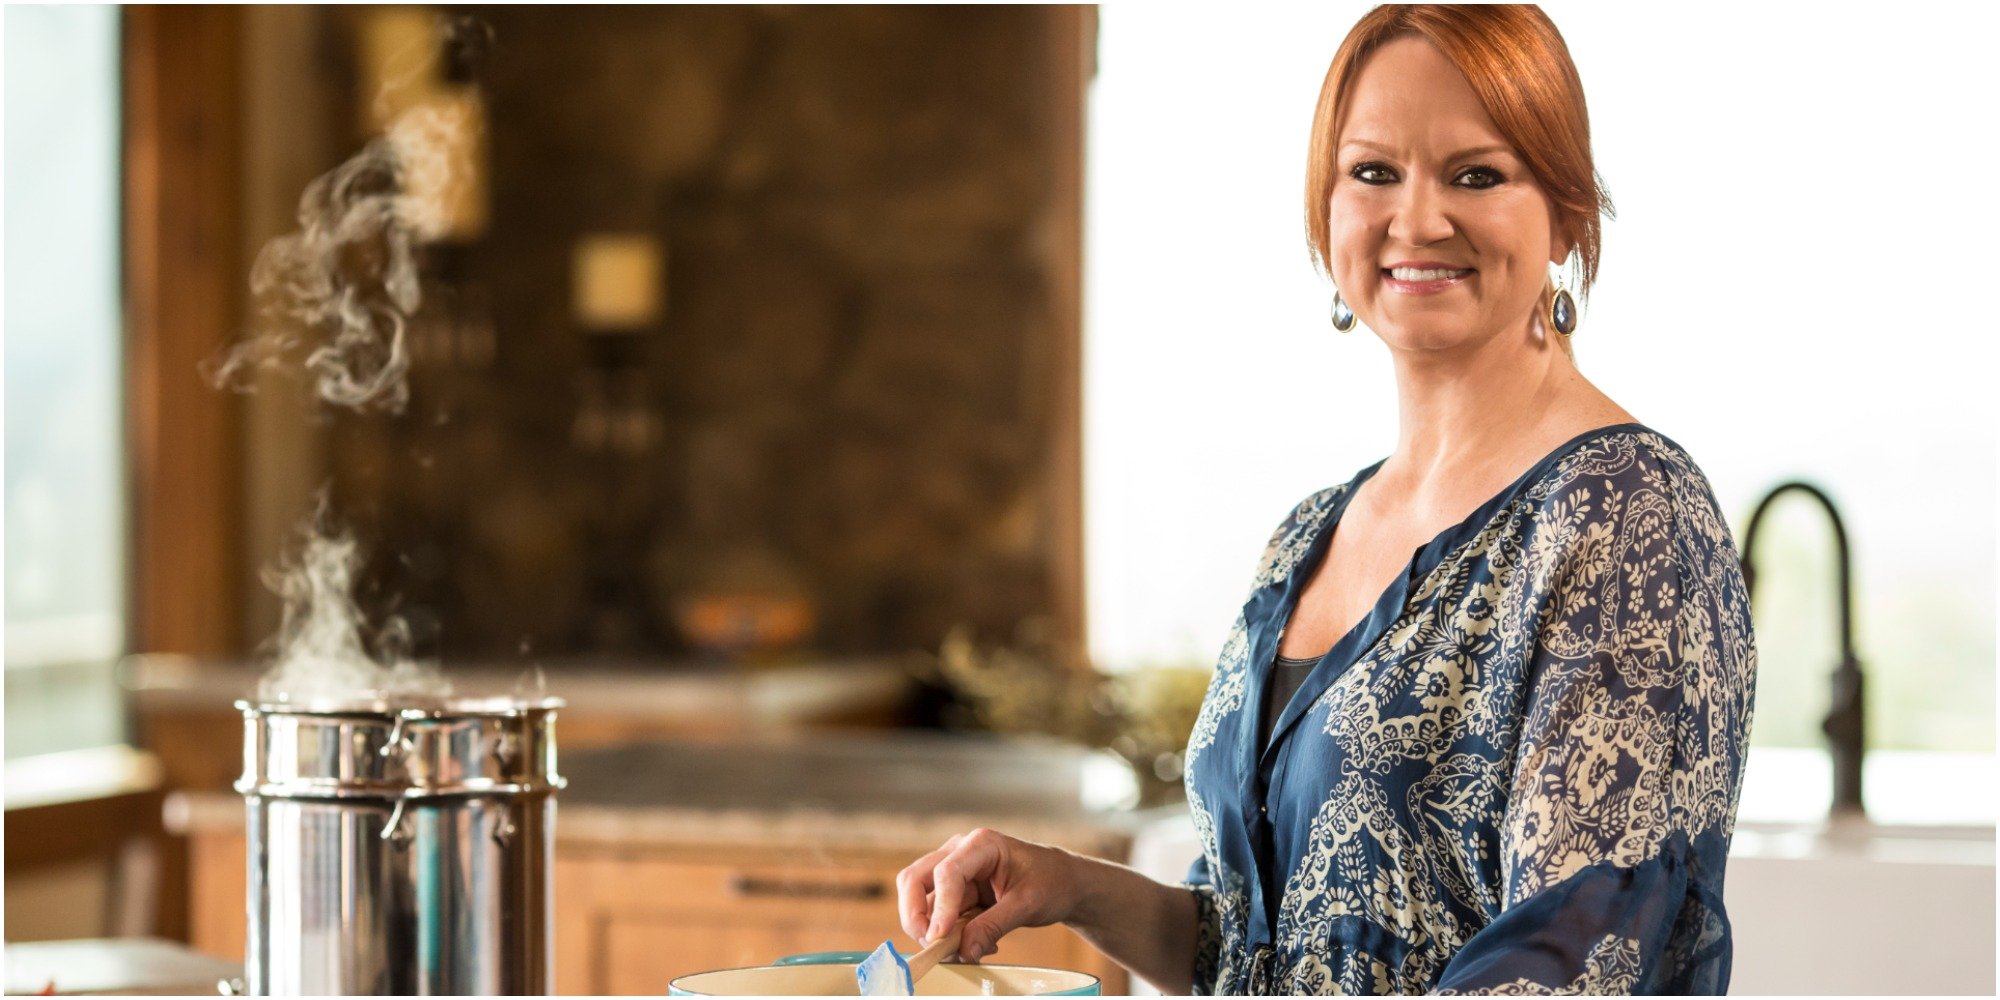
(1518,774)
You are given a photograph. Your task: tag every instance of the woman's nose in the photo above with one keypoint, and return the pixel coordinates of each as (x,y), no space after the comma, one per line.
(1420,219)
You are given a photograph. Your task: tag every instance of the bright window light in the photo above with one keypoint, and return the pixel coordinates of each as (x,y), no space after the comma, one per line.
(1789,291)
(65,488)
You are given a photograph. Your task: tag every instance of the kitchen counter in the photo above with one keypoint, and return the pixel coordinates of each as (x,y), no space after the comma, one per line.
(847,791)
(674,691)
(180,704)
(676,856)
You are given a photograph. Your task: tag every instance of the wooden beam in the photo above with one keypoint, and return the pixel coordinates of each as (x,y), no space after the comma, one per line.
(183,291)
(1071,41)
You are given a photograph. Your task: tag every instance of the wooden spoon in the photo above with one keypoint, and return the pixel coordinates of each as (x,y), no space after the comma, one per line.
(935,953)
(944,947)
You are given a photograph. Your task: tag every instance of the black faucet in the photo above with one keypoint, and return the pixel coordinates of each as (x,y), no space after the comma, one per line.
(1846,733)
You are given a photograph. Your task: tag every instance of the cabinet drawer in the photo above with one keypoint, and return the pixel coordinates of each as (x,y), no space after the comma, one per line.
(835,893)
(649,921)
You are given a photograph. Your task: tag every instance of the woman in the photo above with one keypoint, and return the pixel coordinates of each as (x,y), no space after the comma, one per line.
(1481,725)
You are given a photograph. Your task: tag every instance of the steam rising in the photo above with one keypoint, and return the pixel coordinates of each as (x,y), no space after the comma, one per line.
(321,655)
(341,288)
(334,299)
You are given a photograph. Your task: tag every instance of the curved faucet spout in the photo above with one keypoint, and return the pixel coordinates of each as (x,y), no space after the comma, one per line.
(1845,724)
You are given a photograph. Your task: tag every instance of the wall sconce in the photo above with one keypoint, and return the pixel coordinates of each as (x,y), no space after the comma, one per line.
(618,282)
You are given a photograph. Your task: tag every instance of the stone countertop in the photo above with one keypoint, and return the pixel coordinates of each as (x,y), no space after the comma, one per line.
(865,792)
(662,690)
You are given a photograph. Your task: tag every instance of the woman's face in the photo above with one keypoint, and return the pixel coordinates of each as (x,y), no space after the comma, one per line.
(1439,235)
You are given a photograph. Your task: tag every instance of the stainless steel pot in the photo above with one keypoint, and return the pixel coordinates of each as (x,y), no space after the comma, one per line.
(400,850)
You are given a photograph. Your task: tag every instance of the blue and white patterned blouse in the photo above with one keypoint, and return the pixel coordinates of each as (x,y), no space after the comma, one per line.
(1518,774)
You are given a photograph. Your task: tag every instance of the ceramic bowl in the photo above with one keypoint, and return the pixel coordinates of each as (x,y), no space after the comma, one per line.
(831,973)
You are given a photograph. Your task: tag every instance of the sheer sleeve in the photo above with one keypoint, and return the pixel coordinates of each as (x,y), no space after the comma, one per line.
(1208,929)
(1624,778)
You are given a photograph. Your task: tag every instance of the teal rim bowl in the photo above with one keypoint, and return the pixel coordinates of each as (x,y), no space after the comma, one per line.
(831,973)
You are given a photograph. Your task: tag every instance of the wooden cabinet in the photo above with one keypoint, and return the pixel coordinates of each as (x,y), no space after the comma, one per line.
(629,926)
(628,921)
(218,875)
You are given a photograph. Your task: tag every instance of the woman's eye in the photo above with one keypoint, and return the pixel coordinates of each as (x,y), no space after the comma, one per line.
(1480,178)
(1372,173)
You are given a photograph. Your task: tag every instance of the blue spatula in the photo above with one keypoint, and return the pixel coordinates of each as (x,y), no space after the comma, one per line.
(884,973)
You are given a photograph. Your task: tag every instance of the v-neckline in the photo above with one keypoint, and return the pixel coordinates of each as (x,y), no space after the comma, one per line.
(1377,620)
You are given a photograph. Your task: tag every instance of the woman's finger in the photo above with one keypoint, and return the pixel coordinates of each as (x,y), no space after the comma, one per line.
(957,878)
(913,893)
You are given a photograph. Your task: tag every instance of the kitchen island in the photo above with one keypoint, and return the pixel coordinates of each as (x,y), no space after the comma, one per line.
(675,857)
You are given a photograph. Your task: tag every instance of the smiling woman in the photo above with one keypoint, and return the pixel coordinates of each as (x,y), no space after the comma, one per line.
(1480,725)
(1518,168)
(1740,306)
(1435,226)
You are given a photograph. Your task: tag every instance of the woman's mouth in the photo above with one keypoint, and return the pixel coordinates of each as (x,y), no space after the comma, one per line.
(1424,280)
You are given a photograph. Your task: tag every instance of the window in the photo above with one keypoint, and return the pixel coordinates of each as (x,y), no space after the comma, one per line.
(65,509)
(1774,297)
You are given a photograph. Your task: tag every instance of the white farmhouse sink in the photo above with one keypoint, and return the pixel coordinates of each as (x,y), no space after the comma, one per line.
(1861,908)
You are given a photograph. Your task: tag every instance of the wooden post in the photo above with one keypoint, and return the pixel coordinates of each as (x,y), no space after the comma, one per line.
(1072,49)
(183,289)
(183,282)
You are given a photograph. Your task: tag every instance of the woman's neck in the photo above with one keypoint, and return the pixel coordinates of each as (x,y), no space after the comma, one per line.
(1465,415)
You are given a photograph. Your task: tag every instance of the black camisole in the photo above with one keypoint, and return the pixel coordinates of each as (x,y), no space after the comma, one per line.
(1287,675)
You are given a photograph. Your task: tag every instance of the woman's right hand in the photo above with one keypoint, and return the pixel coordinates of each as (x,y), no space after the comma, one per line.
(1021,884)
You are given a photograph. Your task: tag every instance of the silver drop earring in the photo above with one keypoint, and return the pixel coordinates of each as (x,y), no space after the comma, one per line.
(1343,317)
(1562,305)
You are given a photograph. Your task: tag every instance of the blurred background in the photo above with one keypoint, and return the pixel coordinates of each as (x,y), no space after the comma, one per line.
(856,387)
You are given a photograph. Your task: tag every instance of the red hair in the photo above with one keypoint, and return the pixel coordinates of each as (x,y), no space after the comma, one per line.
(1518,65)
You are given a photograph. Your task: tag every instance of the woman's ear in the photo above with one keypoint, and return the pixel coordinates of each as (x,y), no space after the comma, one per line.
(1561,242)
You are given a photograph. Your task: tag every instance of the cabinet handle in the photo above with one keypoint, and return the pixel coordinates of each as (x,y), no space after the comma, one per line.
(746,885)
